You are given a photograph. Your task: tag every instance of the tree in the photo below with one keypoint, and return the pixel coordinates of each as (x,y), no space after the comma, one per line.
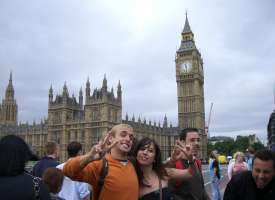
(258,146)
(241,143)
(229,146)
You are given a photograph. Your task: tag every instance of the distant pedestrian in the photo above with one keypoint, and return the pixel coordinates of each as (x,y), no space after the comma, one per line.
(50,160)
(15,182)
(73,190)
(215,175)
(255,185)
(53,178)
(251,152)
(237,166)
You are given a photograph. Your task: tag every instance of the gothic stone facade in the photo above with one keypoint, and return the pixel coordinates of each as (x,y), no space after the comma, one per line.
(70,119)
(190,85)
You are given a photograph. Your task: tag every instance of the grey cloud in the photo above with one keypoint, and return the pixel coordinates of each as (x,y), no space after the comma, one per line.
(50,42)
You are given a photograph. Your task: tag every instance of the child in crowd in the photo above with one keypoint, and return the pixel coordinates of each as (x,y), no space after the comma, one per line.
(53,178)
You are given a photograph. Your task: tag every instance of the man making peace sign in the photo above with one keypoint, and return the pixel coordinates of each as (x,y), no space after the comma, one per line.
(121,182)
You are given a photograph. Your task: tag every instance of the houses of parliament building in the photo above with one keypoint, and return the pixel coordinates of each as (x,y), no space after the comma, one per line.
(89,117)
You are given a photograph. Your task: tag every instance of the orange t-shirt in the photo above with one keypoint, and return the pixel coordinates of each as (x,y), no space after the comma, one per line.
(121,182)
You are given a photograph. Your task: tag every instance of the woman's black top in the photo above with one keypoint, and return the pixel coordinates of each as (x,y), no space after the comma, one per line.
(155,195)
(21,187)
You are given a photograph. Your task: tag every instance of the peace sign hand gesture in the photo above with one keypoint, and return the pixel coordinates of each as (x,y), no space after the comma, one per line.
(181,151)
(98,151)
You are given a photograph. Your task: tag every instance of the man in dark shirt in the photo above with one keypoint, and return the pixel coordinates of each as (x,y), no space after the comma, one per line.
(258,184)
(193,188)
(50,160)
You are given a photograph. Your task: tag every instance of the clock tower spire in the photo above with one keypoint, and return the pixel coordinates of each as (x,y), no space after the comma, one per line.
(190,85)
(186,28)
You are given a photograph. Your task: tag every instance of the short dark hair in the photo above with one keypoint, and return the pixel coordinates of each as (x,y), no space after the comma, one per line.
(73,148)
(265,155)
(14,153)
(53,178)
(184,132)
(50,147)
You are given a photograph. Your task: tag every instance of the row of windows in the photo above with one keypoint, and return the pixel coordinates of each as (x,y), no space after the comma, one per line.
(187,89)
(191,105)
(189,122)
(10,112)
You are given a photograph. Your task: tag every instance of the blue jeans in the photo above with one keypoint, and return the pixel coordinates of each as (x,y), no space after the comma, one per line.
(215,182)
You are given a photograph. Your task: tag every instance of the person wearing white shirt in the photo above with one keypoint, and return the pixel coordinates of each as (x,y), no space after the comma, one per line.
(73,190)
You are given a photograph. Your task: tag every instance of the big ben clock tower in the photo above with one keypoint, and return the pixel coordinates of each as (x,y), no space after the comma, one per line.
(190,90)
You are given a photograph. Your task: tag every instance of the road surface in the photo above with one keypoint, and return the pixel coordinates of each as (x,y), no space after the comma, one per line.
(207,181)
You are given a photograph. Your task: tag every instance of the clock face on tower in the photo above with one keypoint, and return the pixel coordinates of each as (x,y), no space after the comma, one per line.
(186,66)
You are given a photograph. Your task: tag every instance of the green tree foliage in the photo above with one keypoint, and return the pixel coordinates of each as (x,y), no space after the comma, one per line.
(241,143)
(258,146)
(229,146)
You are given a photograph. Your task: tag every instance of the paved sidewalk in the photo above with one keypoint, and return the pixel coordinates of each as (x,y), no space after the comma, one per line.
(223,181)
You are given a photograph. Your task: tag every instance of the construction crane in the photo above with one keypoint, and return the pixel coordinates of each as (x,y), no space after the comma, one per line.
(208,121)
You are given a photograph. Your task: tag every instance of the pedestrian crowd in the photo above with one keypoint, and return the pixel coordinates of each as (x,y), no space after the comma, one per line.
(120,167)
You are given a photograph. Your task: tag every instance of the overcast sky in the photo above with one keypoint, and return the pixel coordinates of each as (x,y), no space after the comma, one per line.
(53,41)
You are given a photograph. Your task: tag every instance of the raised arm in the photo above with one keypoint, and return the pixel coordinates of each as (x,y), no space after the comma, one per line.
(83,168)
(181,151)
(179,174)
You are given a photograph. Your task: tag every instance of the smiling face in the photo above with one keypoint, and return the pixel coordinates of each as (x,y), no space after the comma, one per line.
(262,172)
(124,135)
(146,155)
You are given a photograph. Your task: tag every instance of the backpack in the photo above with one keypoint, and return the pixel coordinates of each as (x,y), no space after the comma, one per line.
(102,176)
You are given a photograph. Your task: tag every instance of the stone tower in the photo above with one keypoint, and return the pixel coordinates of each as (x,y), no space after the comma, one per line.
(8,109)
(63,113)
(71,120)
(190,89)
(102,111)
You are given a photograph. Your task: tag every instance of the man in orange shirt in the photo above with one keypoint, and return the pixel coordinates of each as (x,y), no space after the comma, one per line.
(121,182)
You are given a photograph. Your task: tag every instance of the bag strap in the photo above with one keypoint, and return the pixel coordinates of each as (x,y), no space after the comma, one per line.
(36,186)
(160,189)
(36,181)
(103,174)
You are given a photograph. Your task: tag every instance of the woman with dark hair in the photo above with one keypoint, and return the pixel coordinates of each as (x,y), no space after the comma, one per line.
(214,169)
(153,177)
(15,182)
